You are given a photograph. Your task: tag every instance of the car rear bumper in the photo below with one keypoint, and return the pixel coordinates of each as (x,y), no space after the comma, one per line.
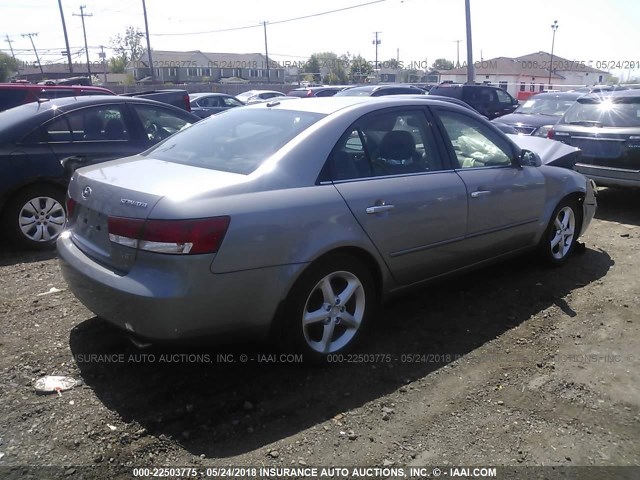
(609,176)
(158,303)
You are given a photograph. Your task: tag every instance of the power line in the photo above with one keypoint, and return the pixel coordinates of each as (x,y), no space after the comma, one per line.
(272,23)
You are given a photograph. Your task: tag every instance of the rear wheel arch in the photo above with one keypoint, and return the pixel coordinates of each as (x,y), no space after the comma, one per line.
(348,254)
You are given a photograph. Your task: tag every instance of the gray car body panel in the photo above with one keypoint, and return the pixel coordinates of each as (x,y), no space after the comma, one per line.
(283,218)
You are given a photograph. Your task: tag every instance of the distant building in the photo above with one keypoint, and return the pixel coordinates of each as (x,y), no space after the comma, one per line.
(528,74)
(197,67)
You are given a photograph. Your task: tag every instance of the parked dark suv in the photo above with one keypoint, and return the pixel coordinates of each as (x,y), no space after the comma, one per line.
(606,127)
(14,94)
(492,102)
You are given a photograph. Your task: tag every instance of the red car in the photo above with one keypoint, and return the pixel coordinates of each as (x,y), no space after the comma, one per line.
(14,94)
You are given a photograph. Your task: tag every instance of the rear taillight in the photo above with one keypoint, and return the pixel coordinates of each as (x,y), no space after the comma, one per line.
(71,206)
(551,134)
(181,237)
(187,103)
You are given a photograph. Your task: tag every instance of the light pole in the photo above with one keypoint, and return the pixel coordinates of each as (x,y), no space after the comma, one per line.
(554,27)
(470,71)
(376,42)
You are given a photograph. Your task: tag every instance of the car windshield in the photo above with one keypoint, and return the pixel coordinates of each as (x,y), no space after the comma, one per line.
(236,141)
(607,112)
(545,106)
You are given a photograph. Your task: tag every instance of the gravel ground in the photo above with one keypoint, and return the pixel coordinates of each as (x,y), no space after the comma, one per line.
(515,365)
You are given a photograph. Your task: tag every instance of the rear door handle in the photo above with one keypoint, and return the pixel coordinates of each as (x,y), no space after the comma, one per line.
(379,208)
(480,193)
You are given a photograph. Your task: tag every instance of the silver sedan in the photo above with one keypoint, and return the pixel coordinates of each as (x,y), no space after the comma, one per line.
(297,218)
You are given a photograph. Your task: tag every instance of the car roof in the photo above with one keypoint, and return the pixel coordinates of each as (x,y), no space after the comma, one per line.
(64,104)
(559,95)
(617,94)
(209,94)
(40,87)
(330,105)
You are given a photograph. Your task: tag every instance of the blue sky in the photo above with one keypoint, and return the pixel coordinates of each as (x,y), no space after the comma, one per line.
(588,30)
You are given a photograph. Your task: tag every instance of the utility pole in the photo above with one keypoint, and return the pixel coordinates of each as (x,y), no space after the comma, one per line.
(66,38)
(8,40)
(84,31)
(31,35)
(266,51)
(376,42)
(103,56)
(146,28)
(554,27)
(470,72)
(457,53)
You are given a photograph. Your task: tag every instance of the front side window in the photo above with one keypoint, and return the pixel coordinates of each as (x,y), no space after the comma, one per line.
(231,102)
(504,97)
(391,143)
(474,144)
(159,123)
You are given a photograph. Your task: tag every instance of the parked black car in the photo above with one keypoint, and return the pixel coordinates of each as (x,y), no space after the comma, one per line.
(540,112)
(207,104)
(324,91)
(379,91)
(41,143)
(606,127)
(492,102)
(171,96)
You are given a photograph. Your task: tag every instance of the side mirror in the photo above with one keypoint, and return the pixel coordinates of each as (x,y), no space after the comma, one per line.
(529,159)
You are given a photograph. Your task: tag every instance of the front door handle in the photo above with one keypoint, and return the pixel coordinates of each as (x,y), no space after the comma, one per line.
(379,208)
(480,193)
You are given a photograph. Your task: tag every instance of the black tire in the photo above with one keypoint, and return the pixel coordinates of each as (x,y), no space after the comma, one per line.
(47,224)
(308,296)
(557,243)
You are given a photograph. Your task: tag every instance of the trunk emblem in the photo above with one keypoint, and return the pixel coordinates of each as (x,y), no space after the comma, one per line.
(86,192)
(133,203)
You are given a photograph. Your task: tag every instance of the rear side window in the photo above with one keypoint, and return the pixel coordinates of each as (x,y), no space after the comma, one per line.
(12,98)
(238,140)
(105,123)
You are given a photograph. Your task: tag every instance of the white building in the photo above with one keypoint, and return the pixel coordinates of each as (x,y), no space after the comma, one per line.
(528,74)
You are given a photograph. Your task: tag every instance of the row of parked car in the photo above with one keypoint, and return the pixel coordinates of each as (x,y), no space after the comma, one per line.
(41,144)
(603,121)
(316,209)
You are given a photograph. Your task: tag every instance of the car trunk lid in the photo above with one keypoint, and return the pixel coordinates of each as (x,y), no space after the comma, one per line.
(126,189)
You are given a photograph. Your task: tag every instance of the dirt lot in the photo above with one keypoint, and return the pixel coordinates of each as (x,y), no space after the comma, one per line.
(512,365)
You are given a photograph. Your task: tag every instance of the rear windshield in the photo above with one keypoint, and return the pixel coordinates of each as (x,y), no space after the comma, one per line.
(298,93)
(546,106)
(618,112)
(356,92)
(237,141)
